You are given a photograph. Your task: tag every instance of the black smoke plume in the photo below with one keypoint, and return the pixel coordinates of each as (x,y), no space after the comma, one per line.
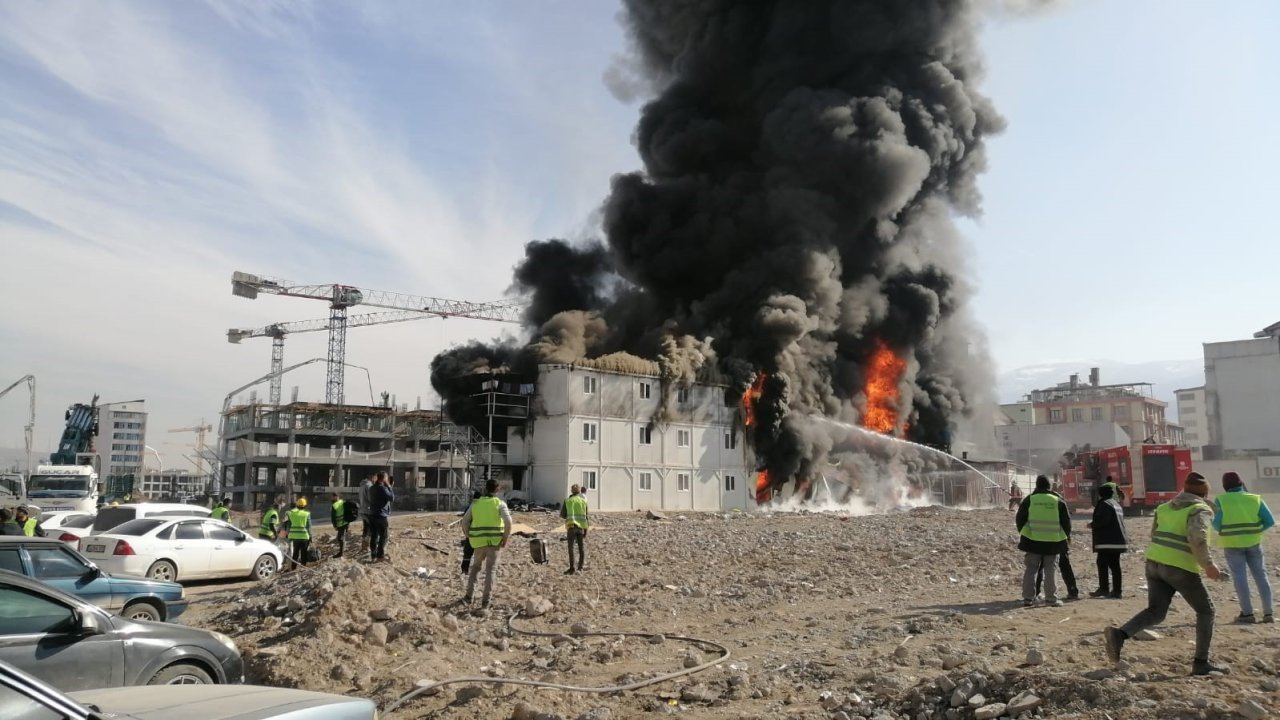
(803,160)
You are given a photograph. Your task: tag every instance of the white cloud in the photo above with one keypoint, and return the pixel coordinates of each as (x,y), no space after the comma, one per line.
(147,150)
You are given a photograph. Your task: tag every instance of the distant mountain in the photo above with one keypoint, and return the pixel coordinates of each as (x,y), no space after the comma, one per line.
(1165,376)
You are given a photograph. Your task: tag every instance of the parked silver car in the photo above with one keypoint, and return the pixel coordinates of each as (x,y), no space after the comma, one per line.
(23,697)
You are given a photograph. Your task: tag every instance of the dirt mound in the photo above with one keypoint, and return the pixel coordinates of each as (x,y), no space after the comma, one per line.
(826,616)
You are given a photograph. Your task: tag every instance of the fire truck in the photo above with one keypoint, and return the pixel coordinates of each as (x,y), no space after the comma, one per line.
(1147,475)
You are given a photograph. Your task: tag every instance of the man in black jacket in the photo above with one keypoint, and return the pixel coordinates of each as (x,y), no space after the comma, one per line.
(1044,524)
(1110,541)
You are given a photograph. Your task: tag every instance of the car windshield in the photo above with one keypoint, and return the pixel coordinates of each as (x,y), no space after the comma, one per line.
(58,486)
(141,526)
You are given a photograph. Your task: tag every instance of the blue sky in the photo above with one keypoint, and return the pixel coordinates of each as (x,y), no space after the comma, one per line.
(148,149)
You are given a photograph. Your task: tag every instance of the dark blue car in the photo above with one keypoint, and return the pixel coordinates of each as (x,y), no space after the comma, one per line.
(51,561)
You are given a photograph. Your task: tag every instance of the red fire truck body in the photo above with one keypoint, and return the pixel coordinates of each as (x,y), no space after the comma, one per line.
(1156,477)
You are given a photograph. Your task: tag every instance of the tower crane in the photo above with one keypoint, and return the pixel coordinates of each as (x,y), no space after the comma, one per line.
(278,331)
(29,428)
(343,297)
(200,431)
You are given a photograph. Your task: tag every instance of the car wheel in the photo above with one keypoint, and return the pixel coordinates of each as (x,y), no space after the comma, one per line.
(264,568)
(181,674)
(162,570)
(142,611)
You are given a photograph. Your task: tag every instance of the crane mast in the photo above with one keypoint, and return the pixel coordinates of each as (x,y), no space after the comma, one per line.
(341,298)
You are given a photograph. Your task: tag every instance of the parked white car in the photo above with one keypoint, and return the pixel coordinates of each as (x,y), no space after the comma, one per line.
(113,515)
(68,527)
(192,548)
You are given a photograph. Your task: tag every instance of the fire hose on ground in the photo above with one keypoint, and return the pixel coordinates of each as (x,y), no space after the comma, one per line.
(425,686)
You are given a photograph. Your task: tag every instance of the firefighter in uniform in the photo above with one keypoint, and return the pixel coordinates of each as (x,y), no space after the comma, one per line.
(487,526)
(1240,517)
(222,511)
(1044,524)
(1178,553)
(269,527)
(574,512)
(297,526)
(338,516)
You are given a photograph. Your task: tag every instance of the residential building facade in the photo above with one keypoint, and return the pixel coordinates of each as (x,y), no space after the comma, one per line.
(121,443)
(174,485)
(631,447)
(1193,416)
(1242,396)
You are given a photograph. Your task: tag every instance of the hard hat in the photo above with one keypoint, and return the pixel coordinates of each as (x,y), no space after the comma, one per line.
(302,502)
(115,502)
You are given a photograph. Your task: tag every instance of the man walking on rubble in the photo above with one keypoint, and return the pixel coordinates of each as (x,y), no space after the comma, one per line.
(487,527)
(1110,541)
(574,512)
(1178,553)
(1044,526)
(1064,565)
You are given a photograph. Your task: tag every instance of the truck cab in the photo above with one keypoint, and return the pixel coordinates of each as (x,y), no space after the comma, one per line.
(64,488)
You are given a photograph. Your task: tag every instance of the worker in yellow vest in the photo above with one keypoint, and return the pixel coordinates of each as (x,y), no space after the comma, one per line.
(1044,527)
(338,516)
(30,526)
(269,527)
(1178,553)
(1240,517)
(222,511)
(487,526)
(297,528)
(574,512)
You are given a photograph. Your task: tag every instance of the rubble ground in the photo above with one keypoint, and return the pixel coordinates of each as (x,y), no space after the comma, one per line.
(909,615)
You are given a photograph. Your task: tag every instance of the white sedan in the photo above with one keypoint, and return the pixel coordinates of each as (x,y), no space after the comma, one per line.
(169,548)
(68,527)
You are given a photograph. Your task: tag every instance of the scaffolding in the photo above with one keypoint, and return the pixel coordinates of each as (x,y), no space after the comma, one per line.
(268,452)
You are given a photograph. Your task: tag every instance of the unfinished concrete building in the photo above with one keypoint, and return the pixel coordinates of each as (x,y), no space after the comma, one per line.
(312,449)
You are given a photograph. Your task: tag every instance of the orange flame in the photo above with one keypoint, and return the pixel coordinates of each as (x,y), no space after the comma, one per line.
(763,493)
(884,371)
(752,396)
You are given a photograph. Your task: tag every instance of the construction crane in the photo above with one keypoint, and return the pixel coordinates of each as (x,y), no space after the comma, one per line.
(200,431)
(30,427)
(343,297)
(278,331)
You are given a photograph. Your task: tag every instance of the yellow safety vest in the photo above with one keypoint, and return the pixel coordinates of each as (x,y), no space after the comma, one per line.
(1241,519)
(298,524)
(486,523)
(29,527)
(1169,544)
(1043,523)
(575,509)
(220,513)
(339,514)
(270,523)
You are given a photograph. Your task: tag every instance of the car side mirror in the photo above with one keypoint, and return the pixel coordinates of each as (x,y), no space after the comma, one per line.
(241,538)
(94,571)
(88,624)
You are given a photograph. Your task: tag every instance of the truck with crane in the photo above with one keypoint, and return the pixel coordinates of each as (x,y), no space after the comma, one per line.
(70,481)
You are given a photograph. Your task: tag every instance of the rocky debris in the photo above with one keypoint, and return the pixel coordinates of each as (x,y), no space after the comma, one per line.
(816,608)
(537,606)
(1251,710)
(1034,657)
(377,634)
(1023,702)
(1147,634)
(655,515)
(989,712)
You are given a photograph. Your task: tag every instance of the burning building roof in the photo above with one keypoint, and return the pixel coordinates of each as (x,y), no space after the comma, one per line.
(792,224)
